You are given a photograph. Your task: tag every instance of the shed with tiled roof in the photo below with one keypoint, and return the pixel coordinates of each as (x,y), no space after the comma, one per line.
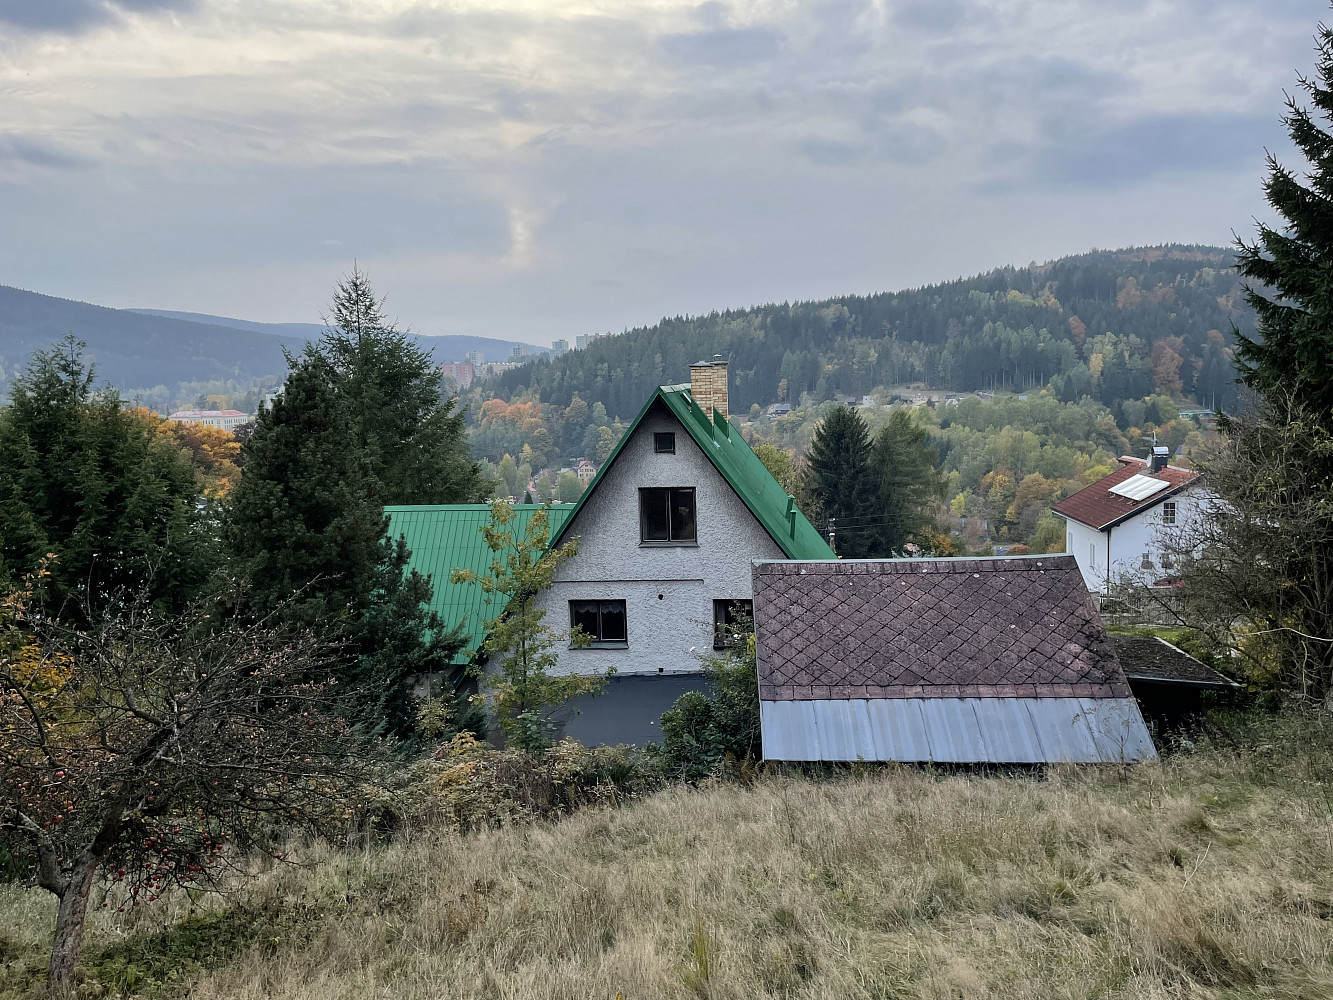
(950,660)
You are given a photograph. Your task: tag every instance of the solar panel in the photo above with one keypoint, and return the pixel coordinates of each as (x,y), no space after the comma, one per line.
(1138,487)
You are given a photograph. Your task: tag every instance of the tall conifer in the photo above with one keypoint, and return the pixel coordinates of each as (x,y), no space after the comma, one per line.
(840,480)
(1293,266)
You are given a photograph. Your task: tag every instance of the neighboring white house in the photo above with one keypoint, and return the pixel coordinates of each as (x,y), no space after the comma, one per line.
(1118,526)
(227,420)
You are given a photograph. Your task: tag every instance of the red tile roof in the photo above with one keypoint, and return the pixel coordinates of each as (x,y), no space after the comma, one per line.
(1097,507)
(1021,627)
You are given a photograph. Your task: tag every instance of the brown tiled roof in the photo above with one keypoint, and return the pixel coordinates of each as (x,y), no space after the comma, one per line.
(1148,658)
(1097,507)
(1021,627)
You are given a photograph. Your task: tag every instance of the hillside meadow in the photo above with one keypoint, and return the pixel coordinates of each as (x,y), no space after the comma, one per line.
(1207,875)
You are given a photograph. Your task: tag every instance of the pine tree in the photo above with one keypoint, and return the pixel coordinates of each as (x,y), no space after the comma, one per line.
(81,478)
(1294,266)
(906,482)
(840,480)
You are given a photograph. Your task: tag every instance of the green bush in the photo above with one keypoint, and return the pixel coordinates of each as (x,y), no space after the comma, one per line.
(718,732)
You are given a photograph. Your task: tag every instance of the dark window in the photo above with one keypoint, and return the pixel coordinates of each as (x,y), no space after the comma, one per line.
(1169,512)
(732,620)
(601,621)
(667,515)
(664,442)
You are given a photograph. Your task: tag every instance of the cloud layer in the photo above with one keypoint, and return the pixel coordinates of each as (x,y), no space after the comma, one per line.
(539,169)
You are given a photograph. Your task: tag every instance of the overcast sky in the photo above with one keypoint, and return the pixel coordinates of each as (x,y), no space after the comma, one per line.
(533,170)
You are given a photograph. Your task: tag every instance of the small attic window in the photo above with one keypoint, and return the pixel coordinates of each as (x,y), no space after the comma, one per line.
(664,442)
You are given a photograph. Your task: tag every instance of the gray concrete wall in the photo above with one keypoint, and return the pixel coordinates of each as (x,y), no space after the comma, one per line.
(627,711)
(668,591)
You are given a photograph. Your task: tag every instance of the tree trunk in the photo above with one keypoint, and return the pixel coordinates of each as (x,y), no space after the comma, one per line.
(69,930)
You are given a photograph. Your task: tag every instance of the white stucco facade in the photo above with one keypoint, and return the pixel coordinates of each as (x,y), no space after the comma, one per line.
(1136,547)
(668,590)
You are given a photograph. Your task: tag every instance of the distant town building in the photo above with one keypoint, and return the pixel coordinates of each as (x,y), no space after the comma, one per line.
(586,471)
(779,409)
(227,420)
(475,358)
(559,347)
(518,352)
(584,339)
(869,400)
(462,372)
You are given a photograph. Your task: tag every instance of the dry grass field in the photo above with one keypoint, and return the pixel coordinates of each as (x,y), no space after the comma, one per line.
(1210,875)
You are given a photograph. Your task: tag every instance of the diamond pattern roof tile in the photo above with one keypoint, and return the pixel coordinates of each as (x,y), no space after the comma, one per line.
(931,628)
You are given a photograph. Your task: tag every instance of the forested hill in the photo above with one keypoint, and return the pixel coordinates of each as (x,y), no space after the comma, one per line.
(1113,325)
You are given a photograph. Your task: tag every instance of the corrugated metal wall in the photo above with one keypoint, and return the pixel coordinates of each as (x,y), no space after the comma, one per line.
(957,730)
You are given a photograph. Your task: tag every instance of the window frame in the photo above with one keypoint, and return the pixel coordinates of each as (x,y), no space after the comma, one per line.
(664,437)
(597,642)
(1169,507)
(722,611)
(669,541)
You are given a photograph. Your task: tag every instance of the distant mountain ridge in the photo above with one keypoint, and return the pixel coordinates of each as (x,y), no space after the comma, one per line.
(1111,324)
(448,347)
(144,348)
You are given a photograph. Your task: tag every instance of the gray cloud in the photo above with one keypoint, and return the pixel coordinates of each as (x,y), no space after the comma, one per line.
(37,153)
(1100,155)
(723,46)
(67,16)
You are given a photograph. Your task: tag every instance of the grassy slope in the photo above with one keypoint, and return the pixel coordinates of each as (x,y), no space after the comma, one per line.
(1206,876)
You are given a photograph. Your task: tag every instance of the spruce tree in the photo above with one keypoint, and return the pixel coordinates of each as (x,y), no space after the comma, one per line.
(410,432)
(905,482)
(361,424)
(1294,266)
(93,484)
(840,480)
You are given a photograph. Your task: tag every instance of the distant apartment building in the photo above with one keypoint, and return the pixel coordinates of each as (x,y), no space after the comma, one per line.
(462,372)
(227,420)
(518,352)
(559,347)
(586,472)
(475,358)
(584,339)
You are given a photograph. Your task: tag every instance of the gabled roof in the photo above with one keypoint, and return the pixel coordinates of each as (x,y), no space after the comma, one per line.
(1097,507)
(446,537)
(1013,627)
(739,466)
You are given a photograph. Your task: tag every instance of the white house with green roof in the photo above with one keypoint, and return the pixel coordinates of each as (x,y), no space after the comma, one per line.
(667,534)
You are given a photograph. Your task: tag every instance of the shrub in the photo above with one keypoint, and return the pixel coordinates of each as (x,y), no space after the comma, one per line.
(705,734)
(466,784)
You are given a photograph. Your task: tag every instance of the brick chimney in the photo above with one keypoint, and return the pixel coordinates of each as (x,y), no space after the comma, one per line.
(708,385)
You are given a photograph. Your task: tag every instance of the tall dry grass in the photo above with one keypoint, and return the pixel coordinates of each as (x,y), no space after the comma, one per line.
(1210,875)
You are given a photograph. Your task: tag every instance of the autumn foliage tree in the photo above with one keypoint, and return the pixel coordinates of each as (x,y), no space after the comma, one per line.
(142,752)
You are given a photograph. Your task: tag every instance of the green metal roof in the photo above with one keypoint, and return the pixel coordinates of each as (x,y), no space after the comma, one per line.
(448,537)
(739,466)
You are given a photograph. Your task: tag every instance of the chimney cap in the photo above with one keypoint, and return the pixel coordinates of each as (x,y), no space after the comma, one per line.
(1161,449)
